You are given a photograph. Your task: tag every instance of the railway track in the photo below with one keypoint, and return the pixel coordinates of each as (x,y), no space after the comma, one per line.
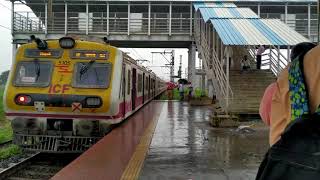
(38,166)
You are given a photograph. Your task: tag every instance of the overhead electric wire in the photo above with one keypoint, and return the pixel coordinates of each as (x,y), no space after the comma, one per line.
(5,27)
(5,6)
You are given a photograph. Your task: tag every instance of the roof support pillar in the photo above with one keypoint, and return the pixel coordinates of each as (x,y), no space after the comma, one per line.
(49,15)
(129,6)
(259,9)
(108,18)
(309,21)
(66,18)
(288,54)
(46,17)
(286,13)
(191,18)
(149,18)
(170,17)
(12,17)
(87,18)
(278,60)
(228,74)
(192,63)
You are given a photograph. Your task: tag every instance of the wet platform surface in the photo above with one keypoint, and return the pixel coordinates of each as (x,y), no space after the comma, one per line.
(108,159)
(184,146)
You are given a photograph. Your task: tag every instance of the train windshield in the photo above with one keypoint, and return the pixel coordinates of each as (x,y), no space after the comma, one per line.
(95,75)
(33,73)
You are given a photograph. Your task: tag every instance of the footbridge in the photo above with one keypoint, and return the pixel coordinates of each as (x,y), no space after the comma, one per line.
(222,32)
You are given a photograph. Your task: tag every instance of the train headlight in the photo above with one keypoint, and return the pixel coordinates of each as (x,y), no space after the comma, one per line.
(67,42)
(93,102)
(23,99)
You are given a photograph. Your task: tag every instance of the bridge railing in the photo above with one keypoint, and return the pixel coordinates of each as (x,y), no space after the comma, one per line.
(101,23)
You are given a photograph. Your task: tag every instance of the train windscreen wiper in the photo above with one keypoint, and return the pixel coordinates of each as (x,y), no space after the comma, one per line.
(37,68)
(85,68)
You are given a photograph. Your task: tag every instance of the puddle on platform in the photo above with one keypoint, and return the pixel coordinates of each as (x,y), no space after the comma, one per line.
(184,146)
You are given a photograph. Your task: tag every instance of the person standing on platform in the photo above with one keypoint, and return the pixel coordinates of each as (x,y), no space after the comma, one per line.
(181,91)
(260,51)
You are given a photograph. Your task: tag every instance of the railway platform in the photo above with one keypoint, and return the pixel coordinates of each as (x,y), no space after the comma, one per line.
(171,140)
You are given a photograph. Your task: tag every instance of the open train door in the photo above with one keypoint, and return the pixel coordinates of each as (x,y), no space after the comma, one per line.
(134,86)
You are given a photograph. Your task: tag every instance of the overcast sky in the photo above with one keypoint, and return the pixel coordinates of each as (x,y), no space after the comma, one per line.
(155,60)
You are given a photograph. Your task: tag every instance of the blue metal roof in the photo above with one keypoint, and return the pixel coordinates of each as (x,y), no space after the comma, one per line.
(230,13)
(198,5)
(256,32)
(241,26)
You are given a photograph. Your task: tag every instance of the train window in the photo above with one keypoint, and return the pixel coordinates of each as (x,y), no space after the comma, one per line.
(139,82)
(129,80)
(96,75)
(33,73)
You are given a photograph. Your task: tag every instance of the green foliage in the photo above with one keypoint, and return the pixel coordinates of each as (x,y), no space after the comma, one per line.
(5,131)
(4,77)
(198,93)
(5,127)
(9,151)
(1,103)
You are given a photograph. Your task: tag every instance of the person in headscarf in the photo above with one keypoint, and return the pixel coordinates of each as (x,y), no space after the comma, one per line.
(285,100)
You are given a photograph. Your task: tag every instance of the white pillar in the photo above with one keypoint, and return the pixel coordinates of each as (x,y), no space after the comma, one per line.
(288,54)
(309,21)
(191,11)
(108,18)
(87,19)
(149,18)
(170,17)
(286,13)
(259,9)
(192,63)
(46,17)
(227,70)
(129,18)
(14,51)
(12,17)
(65,18)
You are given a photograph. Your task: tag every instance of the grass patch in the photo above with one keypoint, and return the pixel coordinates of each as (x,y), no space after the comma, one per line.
(197,93)
(5,127)
(9,151)
(1,103)
(5,131)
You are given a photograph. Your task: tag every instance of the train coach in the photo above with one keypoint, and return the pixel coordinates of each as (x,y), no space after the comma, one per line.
(63,95)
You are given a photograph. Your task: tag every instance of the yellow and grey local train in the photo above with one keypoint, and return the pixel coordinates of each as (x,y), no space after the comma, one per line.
(63,95)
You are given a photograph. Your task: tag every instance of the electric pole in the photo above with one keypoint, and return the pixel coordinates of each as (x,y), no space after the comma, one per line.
(170,62)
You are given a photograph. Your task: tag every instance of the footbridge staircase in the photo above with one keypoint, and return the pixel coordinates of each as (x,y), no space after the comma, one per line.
(224,34)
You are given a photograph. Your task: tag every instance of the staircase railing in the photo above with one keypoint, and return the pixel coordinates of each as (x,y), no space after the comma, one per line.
(213,66)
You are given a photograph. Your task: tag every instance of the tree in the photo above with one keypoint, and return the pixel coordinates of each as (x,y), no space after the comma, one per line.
(4,77)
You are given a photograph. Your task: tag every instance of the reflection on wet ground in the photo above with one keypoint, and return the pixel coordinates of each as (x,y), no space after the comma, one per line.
(184,146)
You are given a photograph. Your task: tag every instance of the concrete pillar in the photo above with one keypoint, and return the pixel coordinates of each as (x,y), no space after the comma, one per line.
(192,63)
(66,18)
(149,18)
(286,13)
(309,21)
(12,17)
(49,14)
(14,51)
(108,17)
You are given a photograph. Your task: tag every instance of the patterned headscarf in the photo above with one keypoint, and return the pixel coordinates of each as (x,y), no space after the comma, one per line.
(298,89)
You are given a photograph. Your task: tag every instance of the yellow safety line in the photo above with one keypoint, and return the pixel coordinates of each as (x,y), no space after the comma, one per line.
(135,164)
